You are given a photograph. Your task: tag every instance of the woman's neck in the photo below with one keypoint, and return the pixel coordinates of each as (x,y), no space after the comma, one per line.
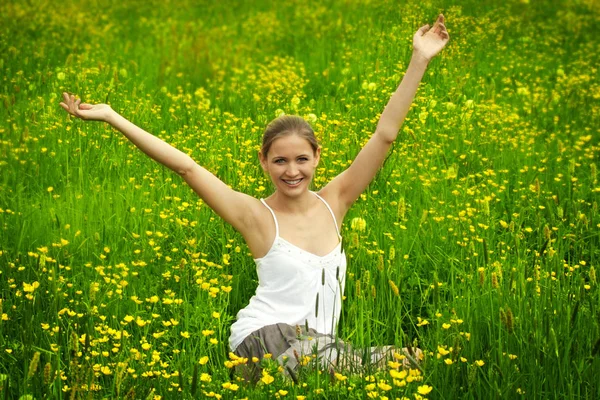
(300,204)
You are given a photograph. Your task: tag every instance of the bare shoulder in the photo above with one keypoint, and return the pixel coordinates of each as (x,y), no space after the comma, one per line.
(331,196)
(257,228)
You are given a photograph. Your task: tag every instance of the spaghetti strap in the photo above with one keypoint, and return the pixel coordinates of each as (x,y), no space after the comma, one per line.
(274,217)
(332,214)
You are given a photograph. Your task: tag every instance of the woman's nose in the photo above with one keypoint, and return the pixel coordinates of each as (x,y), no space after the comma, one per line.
(292,169)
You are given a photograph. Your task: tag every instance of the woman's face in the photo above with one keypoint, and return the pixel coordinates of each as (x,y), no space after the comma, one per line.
(291,164)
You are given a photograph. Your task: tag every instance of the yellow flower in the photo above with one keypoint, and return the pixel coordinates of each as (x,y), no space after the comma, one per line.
(282,392)
(216,315)
(205,377)
(398,374)
(446,326)
(480,363)
(185,334)
(443,351)
(29,288)
(267,379)
(340,377)
(358,224)
(230,386)
(203,360)
(448,361)
(424,390)
(384,386)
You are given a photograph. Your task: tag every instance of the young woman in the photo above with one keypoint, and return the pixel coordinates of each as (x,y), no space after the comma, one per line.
(294,234)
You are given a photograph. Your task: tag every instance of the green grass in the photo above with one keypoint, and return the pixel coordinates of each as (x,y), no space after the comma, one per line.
(484,217)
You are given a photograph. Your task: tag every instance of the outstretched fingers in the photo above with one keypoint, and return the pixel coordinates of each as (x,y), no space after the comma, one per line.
(71,104)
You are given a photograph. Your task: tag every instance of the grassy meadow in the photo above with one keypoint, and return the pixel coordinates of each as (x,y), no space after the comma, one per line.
(478,241)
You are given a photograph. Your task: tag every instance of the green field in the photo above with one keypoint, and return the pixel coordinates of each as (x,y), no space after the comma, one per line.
(481,239)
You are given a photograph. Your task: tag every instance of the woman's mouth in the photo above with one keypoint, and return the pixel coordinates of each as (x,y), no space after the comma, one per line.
(294,182)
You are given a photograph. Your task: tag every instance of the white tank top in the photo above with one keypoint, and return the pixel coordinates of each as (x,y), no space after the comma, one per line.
(295,287)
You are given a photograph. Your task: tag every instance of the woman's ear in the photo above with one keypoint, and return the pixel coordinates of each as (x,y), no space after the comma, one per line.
(317,156)
(263,160)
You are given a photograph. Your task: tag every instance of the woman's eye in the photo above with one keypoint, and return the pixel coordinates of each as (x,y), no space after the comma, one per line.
(280,161)
(303,159)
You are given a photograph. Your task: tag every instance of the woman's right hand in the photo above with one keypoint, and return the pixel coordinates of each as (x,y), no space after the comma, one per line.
(88,112)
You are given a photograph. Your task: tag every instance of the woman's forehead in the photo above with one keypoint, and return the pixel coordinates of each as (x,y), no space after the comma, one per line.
(290,145)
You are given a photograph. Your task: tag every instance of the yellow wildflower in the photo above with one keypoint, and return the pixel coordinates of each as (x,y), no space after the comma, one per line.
(424,390)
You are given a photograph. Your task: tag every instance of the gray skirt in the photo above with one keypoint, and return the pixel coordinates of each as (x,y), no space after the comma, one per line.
(294,347)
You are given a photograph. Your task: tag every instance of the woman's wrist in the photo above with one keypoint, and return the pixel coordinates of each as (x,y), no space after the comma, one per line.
(419,59)
(110,115)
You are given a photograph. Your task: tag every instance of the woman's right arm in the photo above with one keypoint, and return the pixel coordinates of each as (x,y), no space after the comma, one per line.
(234,207)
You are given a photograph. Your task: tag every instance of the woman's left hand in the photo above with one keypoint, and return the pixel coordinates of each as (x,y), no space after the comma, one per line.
(429,41)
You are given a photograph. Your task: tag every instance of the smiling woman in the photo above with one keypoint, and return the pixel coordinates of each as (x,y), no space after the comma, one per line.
(294,234)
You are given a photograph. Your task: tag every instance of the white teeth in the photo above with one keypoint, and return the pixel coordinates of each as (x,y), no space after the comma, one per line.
(293,182)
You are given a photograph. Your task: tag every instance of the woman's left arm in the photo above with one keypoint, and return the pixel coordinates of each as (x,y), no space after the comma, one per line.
(346,187)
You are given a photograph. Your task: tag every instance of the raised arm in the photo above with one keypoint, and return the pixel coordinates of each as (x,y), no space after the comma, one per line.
(344,189)
(234,207)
